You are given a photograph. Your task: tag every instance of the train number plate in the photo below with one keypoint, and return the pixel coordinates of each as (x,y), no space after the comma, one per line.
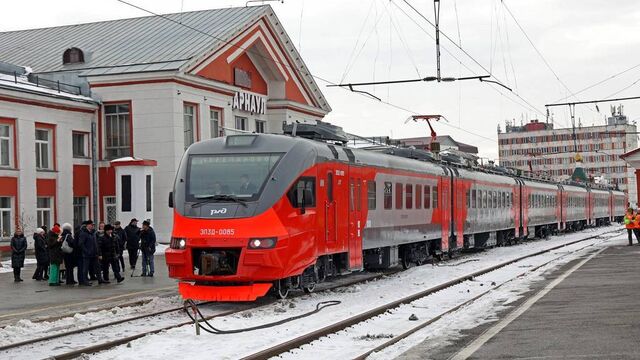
(214,232)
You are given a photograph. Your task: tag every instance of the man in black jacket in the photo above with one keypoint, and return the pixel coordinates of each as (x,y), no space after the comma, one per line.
(133,242)
(148,247)
(89,246)
(108,254)
(121,235)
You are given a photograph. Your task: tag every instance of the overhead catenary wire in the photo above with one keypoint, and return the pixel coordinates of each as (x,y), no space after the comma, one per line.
(303,71)
(601,81)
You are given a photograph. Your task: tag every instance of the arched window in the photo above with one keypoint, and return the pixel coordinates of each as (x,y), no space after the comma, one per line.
(73,56)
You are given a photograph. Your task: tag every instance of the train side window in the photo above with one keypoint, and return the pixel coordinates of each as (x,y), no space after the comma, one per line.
(359,195)
(399,198)
(484,199)
(330,187)
(303,192)
(473,198)
(489,199)
(504,199)
(427,197)
(351,195)
(371,195)
(418,196)
(388,195)
(508,200)
(495,200)
(468,198)
(408,196)
(435,197)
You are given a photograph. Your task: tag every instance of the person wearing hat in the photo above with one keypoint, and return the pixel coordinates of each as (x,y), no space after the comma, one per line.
(121,236)
(133,242)
(89,246)
(42,255)
(54,244)
(629,224)
(148,247)
(108,254)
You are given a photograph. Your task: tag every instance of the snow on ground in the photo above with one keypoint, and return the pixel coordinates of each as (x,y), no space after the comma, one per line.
(6,265)
(26,329)
(182,342)
(358,339)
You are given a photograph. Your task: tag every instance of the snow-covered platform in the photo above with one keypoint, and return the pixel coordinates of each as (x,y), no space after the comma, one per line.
(36,299)
(587,309)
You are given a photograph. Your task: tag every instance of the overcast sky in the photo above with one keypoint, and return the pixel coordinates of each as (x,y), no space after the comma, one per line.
(584,41)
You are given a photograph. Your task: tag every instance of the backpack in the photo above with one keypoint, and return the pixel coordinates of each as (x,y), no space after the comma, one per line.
(66,247)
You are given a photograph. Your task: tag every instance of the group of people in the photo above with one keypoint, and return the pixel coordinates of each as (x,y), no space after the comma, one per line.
(92,252)
(632,224)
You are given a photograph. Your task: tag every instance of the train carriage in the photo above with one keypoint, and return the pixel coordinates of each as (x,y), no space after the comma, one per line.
(255,212)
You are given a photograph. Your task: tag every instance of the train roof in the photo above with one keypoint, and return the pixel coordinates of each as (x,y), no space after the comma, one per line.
(324,151)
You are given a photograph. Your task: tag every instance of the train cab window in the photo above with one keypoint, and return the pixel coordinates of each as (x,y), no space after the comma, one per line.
(427,197)
(418,196)
(330,187)
(371,195)
(473,199)
(435,197)
(399,198)
(303,192)
(408,191)
(388,195)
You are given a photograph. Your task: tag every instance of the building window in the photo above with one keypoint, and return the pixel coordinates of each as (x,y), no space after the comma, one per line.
(72,56)
(260,126)
(117,131)
(388,195)
(371,195)
(126,192)
(79,145)
(214,118)
(110,209)
(189,119)
(43,149)
(5,217)
(5,145)
(241,123)
(148,192)
(43,212)
(80,208)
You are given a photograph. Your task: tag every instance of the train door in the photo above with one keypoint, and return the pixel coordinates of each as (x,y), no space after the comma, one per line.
(458,208)
(516,203)
(330,213)
(444,204)
(355,217)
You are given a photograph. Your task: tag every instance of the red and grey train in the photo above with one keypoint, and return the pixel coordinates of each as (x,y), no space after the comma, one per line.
(257,212)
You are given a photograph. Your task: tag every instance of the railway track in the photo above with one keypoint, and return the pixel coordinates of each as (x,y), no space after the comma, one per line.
(339,327)
(79,350)
(149,317)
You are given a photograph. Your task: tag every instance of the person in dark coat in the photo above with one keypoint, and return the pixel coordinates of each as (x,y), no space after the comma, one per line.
(56,256)
(69,259)
(89,246)
(42,255)
(133,242)
(119,232)
(148,247)
(18,253)
(108,254)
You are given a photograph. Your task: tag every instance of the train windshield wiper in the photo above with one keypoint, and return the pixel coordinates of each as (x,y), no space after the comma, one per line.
(219,198)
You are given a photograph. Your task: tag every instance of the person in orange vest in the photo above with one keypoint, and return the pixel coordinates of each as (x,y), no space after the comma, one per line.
(630,224)
(636,228)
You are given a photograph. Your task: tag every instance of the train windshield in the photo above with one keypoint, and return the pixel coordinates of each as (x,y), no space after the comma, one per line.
(240,176)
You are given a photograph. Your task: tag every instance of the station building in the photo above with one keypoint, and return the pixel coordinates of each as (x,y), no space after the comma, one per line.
(95,118)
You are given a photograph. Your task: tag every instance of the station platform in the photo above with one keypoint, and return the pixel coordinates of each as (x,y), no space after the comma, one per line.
(35,300)
(586,309)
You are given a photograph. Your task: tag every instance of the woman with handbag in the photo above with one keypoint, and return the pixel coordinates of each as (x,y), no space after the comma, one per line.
(67,249)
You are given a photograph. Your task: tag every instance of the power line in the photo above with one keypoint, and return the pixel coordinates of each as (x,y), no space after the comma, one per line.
(601,81)
(531,106)
(226,42)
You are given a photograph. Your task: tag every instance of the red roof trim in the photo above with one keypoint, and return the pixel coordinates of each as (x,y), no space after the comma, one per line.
(47,105)
(136,162)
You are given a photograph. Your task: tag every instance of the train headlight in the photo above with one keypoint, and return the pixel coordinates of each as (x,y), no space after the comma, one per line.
(262,243)
(178,243)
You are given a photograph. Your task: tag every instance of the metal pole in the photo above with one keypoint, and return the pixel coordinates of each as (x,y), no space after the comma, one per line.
(436,10)
(94,166)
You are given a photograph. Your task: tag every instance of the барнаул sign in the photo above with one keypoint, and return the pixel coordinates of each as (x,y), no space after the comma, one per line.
(249,102)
